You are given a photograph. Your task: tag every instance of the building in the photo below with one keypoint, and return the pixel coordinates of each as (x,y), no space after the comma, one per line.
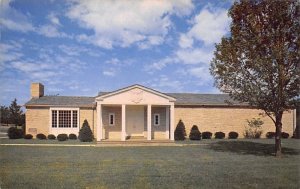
(138,111)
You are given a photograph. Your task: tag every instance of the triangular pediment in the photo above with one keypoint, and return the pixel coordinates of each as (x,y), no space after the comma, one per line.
(135,94)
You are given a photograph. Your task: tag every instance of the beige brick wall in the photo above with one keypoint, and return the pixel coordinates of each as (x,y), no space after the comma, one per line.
(37,90)
(227,119)
(90,115)
(37,121)
(37,118)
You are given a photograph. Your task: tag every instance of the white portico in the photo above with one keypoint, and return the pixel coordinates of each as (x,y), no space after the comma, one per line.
(135,111)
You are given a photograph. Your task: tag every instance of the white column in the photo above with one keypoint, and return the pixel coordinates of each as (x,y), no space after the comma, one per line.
(123,134)
(172,117)
(167,122)
(99,122)
(149,122)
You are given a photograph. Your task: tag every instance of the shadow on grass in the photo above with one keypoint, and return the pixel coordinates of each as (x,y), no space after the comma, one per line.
(250,148)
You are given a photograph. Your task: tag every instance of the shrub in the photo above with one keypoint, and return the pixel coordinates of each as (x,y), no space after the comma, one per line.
(28,136)
(270,135)
(180,131)
(85,133)
(233,135)
(195,133)
(219,135)
(62,137)
(14,133)
(72,137)
(51,137)
(41,136)
(254,129)
(285,135)
(206,135)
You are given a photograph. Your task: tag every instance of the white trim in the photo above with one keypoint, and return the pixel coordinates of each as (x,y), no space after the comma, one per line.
(172,99)
(67,130)
(154,119)
(123,133)
(114,117)
(149,123)
(99,122)
(172,125)
(167,122)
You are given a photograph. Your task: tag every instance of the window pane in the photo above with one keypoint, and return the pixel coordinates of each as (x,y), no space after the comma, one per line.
(64,118)
(75,118)
(54,118)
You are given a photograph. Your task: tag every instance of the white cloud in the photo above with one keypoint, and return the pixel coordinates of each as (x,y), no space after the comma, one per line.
(163,82)
(9,52)
(123,23)
(51,30)
(195,56)
(160,64)
(11,19)
(54,19)
(111,72)
(208,27)
(75,50)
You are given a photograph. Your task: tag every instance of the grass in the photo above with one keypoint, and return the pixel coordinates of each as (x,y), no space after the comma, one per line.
(219,164)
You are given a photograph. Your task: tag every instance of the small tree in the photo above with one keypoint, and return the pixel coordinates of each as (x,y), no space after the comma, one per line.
(16,113)
(180,131)
(254,129)
(195,133)
(85,133)
(4,114)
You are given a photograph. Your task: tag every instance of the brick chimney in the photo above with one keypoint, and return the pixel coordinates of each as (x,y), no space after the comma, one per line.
(37,90)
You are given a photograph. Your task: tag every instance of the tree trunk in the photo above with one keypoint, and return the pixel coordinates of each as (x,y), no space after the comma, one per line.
(278,126)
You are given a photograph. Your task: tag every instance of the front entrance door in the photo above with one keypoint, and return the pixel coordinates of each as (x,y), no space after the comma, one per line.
(135,120)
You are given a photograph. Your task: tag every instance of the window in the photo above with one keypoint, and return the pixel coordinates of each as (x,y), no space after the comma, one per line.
(156,119)
(64,118)
(75,118)
(111,119)
(54,118)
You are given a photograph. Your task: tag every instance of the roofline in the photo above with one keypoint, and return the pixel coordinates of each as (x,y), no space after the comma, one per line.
(51,105)
(171,98)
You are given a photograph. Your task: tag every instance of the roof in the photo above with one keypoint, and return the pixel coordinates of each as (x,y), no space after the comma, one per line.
(181,99)
(203,99)
(75,101)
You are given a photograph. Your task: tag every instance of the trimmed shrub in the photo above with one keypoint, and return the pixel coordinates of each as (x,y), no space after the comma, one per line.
(41,136)
(195,133)
(62,137)
(28,136)
(233,135)
(219,135)
(51,137)
(254,129)
(14,133)
(72,136)
(270,135)
(85,133)
(285,135)
(180,133)
(206,135)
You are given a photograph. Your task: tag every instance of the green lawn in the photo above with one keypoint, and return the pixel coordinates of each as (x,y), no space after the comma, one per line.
(218,164)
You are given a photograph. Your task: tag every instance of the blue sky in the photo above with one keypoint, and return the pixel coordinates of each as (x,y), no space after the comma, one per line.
(82,47)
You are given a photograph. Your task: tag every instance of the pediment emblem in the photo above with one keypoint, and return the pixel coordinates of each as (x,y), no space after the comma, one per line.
(136,95)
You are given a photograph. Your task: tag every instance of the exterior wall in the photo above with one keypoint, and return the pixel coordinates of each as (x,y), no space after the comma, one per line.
(112,132)
(37,121)
(227,119)
(89,115)
(159,132)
